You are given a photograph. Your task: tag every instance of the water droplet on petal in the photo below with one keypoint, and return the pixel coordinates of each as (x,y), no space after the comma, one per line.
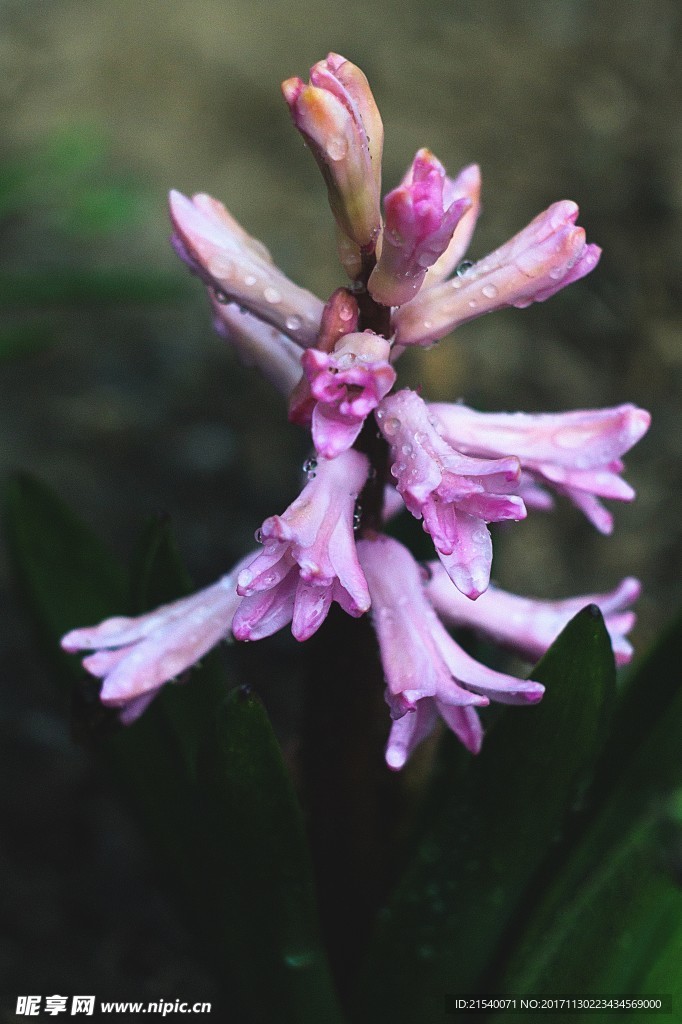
(272,296)
(221,296)
(472,303)
(250,280)
(489,290)
(293,323)
(392,426)
(337,148)
(463,267)
(259,535)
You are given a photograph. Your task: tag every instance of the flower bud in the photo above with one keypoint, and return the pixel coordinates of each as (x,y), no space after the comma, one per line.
(338,118)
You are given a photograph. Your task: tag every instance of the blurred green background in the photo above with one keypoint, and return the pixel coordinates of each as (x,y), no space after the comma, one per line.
(115,391)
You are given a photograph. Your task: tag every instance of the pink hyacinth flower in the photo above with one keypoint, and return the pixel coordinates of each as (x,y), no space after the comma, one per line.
(529,625)
(454,494)
(418,229)
(544,257)
(339,119)
(427,673)
(309,557)
(238,268)
(346,384)
(135,656)
(260,345)
(576,453)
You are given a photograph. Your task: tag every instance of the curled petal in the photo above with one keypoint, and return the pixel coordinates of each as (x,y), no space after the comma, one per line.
(529,625)
(467,185)
(419,227)
(544,257)
(346,385)
(338,118)
(454,494)
(576,453)
(135,656)
(308,558)
(239,269)
(426,672)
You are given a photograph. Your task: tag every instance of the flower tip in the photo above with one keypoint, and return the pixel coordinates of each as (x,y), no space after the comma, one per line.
(534,693)
(396,758)
(292,89)
(639,423)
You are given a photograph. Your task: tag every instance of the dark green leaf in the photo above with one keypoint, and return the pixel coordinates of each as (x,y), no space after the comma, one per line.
(67,575)
(472,877)
(609,915)
(264,895)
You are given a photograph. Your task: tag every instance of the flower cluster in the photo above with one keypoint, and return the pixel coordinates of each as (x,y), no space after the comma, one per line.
(378,449)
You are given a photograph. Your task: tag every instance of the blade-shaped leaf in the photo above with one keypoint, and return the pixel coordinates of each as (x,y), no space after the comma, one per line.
(265,894)
(583,931)
(67,575)
(473,874)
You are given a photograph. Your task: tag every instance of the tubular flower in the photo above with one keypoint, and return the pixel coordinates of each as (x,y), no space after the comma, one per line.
(337,116)
(135,656)
(576,453)
(309,557)
(347,384)
(427,673)
(418,229)
(239,268)
(544,257)
(528,625)
(259,344)
(454,494)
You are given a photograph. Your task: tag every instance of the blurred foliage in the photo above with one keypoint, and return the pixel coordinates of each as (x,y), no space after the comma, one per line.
(66,218)
(553,865)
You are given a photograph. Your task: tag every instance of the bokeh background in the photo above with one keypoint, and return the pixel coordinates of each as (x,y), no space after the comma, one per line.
(114,391)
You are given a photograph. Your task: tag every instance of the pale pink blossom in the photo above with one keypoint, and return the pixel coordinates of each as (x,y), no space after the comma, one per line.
(135,656)
(309,557)
(427,673)
(238,268)
(418,229)
(544,257)
(346,384)
(578,453)
(454,494)
(260,345)
(338,117)
(529,625)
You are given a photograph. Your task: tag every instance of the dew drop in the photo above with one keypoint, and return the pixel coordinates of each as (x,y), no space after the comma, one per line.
(293,323)
(428,324)
(309,466)
(472,304)
(489,290)
(272,296)
(455,283)
(221,296)
(345,313)
(407,449)
(391,426)
(463,267)
(557,273)
(250,280)
(221,268)
(259,535)
(337,148)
